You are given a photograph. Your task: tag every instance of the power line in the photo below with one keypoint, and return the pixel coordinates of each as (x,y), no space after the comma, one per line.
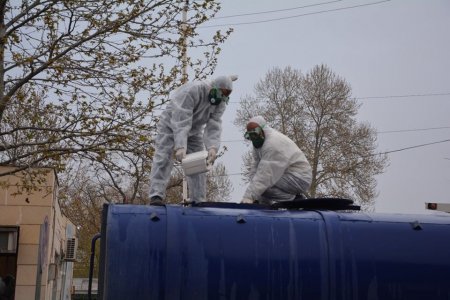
(296,16)
(277,10)
(413,130)
(413,147)
(381,153)
(378,132)
(364,98)
(403,96)
(377,97)
(388,96)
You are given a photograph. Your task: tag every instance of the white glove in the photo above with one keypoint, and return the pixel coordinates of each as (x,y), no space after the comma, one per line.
(246,200)
(180,154)
(212,153)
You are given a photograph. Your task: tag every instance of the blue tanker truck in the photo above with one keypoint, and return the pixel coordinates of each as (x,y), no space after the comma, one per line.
(308,249)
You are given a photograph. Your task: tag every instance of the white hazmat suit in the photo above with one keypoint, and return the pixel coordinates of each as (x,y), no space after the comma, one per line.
(191,122)
(279,170)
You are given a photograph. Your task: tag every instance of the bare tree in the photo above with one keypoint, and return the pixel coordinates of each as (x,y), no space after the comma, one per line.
(218,185)
(81,200)
(317,112)
(81,80)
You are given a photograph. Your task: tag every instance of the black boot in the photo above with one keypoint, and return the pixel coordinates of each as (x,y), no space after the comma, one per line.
(300,197)
(156,200)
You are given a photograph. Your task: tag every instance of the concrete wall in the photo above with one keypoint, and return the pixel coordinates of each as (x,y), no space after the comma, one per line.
(31,211)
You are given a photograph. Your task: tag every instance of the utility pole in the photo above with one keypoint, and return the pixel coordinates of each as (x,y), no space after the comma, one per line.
(184,75)
(184,30)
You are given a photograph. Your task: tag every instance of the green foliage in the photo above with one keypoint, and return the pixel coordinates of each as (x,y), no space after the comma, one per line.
(81,81)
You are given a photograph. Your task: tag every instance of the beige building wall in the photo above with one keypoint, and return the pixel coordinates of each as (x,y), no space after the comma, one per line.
(31,210)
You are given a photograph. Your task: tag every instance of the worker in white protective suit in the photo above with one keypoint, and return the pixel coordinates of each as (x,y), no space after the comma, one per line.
(191,122)
(279,170)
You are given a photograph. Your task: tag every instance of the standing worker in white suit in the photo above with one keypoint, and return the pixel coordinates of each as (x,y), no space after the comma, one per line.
(279,170)
(191,122)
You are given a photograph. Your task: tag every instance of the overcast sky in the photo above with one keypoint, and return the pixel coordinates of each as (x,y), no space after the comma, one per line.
(394,54)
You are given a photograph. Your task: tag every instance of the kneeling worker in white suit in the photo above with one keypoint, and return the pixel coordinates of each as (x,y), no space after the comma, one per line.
(279,169)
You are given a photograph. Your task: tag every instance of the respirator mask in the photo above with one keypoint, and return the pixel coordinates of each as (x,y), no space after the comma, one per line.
(216,96)
(256,136)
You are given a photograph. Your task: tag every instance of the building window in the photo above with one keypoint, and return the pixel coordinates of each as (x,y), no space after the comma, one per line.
(8,240)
